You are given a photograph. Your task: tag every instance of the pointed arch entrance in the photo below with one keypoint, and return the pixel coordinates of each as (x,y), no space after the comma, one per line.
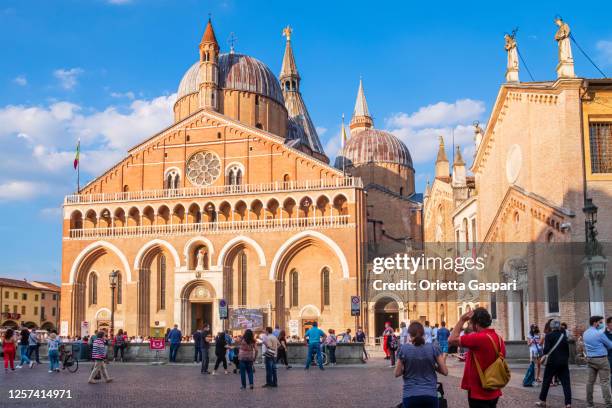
(154,265)
(198,303)
(300,261)
(82,267)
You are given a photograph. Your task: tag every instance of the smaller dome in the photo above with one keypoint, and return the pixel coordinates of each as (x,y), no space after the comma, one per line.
(374,146)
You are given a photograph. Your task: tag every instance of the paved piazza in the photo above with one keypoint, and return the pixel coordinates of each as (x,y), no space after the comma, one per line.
(137,385)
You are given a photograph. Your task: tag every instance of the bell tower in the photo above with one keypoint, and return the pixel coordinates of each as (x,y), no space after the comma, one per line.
(208,74)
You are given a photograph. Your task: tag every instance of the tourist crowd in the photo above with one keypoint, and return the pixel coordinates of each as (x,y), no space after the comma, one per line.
(418,352)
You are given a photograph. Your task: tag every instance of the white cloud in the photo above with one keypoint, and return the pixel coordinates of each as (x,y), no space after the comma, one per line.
(129,95)
(21,80)
(39,141)
(420,130)
(321,130)
(605,51)
(119,2)
(67,77)
(17,190)
(439,114)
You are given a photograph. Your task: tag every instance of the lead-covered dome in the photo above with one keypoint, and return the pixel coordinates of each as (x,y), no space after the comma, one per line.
(374,146)
(237,72)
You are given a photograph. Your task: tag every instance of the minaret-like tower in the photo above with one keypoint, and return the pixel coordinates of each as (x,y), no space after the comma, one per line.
(289,76)
(442,165)
(208,75)
(459,173)
(301,132)
(361,115)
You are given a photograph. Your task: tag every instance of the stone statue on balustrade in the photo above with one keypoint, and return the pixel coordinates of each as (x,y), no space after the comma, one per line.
(565,67)
(512,70)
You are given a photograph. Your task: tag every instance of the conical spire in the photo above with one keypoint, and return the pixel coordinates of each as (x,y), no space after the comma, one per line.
(441,152)
(361,114)
(361,106)
(289,68)
(458,158)
(301,132)
(209,34)
(442,165)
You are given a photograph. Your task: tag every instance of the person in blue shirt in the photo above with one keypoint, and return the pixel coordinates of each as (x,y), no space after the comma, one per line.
(174,338)
(313,338)
(609,336)
(596,345)
(442,336)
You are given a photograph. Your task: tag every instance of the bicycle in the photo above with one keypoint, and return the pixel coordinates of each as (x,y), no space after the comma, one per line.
(68,360)
(324,357)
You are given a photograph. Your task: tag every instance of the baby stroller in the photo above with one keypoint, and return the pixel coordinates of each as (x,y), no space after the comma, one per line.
(442,403)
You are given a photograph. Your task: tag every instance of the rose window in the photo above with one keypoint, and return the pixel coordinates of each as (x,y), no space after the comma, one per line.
(203,168)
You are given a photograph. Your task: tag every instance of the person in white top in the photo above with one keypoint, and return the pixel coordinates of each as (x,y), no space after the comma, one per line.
(428,332)
(403,334)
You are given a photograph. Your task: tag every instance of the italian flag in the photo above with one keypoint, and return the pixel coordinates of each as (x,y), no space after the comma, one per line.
(77,154)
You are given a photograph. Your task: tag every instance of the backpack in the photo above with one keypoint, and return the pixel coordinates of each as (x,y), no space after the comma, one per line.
(393,342)
(497,375)
(119,340)
(529,378)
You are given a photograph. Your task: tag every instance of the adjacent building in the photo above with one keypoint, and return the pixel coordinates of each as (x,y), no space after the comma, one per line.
(32,304)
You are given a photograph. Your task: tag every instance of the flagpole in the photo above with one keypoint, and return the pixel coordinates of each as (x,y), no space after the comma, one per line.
(77,164)
(343,136)
(78,176)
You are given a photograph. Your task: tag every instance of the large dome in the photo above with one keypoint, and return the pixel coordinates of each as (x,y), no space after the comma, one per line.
(374,146)
(238,72)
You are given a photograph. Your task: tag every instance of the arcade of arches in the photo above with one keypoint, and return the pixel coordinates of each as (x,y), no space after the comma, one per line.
(180,281)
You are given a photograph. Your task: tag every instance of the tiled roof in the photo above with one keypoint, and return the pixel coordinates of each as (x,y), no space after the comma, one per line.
(16,283)
(47,286)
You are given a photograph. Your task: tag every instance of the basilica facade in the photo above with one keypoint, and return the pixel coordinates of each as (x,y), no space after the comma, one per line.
(236,200)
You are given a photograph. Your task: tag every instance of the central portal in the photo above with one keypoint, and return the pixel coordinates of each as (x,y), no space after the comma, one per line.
(198,306)
(201,313)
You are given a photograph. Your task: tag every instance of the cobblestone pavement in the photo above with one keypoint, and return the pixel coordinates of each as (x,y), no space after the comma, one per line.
(136,385)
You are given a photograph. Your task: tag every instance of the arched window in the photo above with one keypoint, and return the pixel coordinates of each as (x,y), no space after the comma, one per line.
(242,277)
(93,289)
(161,282)
(325,287)
(234,174)
(172,179)
(295,288)
(119,299)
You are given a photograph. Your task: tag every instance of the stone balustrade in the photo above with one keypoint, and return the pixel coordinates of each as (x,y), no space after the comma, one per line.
(335,221)
(210,191)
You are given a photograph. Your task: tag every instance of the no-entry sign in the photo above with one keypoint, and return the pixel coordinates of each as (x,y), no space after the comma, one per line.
(355,306)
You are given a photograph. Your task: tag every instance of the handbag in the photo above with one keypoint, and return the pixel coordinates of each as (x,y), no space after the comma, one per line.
(544,358)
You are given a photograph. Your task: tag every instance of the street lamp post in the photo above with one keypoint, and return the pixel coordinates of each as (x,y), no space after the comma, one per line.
(113,277)
(594,262)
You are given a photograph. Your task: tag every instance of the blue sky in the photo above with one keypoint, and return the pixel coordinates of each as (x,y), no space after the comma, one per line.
(106,71)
